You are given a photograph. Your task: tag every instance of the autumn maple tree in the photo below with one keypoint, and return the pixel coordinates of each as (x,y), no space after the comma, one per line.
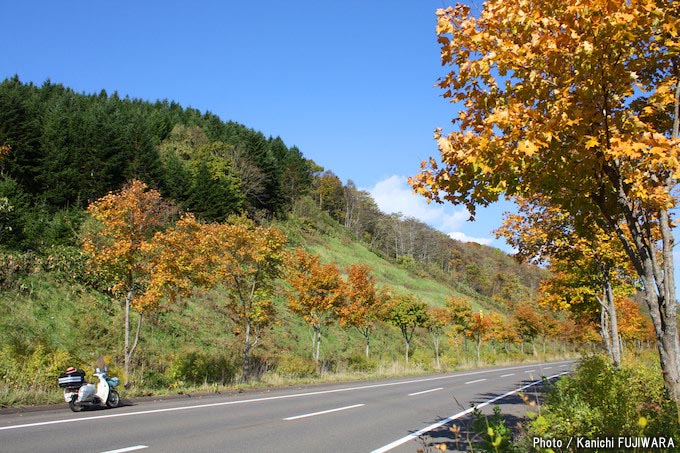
(588,263)
(245,259)
(316,293)
(527,323)
(438,319)
(578,102)
(481,328)
(126,221)
(362,302)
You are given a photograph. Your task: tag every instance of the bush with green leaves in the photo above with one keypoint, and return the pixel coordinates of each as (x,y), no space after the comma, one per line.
(600,400)
(295,366)
(359,362)
(495,435)
(198,367)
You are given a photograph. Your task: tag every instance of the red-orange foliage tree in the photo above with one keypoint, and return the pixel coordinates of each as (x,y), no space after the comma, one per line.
(362,302)
(316,293)
(127,221)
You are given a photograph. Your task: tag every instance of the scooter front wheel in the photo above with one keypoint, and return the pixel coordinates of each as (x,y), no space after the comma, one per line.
(114,399)
(75,407)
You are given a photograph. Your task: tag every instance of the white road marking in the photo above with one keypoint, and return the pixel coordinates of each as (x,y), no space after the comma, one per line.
(123,450)
(508,375)
(434,426)
(425,391)
(547,368)
(323,412)
(474,382)
(257,400)
(530,371)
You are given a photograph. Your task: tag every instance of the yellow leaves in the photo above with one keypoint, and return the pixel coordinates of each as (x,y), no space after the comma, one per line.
(591,142)
(587,47)
(527,147)
(444,25)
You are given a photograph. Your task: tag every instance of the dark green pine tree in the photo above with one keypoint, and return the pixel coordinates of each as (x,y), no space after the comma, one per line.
(259,150)
(175,183)
(20,123)
(298,176)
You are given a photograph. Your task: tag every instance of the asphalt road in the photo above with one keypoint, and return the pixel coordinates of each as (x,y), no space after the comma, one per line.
(358,417)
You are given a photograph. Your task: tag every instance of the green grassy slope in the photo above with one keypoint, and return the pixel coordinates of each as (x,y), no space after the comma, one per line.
(50,319)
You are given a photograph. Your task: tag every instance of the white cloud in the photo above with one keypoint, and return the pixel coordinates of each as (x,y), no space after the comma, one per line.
(459,236)
(394,195)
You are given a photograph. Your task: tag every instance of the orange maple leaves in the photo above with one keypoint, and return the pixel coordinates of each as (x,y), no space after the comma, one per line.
(547,91)
(117,245)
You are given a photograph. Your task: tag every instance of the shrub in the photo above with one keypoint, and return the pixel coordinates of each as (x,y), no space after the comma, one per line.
(38,367)
(359,362)
(294,366)
(197,367)
(599,400)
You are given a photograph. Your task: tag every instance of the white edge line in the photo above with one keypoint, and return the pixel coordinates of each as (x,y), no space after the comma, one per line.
(433,426)
(425,391)
(269,398)
(323,412)
(123,450)
(474,382)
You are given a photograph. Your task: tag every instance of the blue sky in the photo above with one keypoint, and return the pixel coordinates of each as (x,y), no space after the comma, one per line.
(350,83)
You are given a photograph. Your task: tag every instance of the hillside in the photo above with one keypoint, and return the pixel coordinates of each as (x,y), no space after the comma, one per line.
(65,150)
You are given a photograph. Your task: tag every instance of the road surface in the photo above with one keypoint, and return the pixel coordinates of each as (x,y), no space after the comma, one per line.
(376,416)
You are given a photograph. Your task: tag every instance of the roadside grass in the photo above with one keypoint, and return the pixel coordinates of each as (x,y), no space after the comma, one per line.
(30,395)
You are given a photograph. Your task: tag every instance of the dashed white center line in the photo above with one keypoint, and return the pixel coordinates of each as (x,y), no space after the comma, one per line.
(323,412)
(473,382)
(123,450)
(508,375)
(425,391)
(547,367)
(530,371)
(434,426)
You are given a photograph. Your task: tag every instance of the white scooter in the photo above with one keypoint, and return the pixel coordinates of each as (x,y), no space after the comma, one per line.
(79,394)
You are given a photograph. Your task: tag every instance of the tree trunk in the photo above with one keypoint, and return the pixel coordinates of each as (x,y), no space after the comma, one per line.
(126,346)
(613,324)
(129,349)
(408,345)
(605,331)
(246,355)
(367,336)
(317,343)
(642,245)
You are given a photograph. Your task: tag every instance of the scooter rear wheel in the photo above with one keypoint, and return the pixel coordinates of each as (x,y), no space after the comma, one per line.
(75,407)
(114,399)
